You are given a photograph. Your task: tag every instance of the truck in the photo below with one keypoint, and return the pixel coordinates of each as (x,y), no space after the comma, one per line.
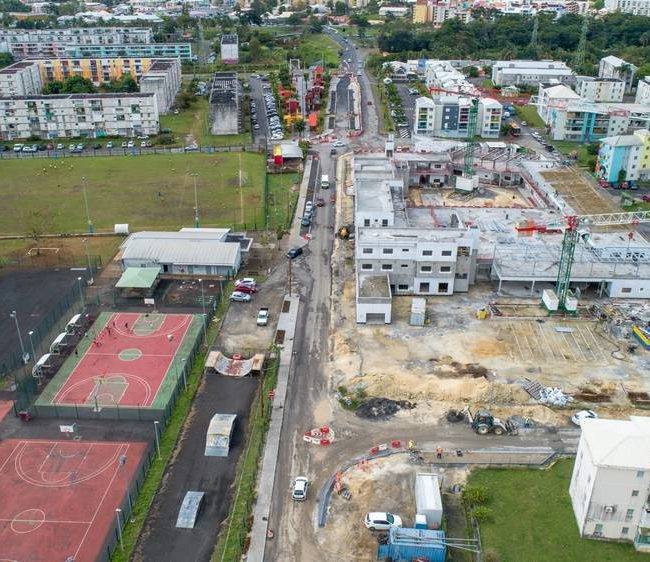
(324,181)
(263,316)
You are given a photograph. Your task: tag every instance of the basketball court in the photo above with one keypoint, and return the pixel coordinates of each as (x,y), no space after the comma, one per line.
(59,497)
(125,360)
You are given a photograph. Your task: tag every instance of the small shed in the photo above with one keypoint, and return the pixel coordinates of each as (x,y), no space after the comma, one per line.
(138,281)
(217,441)
(406,545)
(73,324)
(189,510)
(418,311)
(427,498)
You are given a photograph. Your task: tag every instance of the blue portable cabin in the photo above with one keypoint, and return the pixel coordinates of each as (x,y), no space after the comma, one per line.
(406,544)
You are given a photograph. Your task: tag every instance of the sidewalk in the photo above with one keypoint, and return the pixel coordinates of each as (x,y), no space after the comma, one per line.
(266,477)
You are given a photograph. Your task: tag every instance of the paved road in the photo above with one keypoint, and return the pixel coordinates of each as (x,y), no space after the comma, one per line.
(258,98)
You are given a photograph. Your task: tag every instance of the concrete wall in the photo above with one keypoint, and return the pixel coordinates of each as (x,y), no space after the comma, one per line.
(367,312)
(629,289)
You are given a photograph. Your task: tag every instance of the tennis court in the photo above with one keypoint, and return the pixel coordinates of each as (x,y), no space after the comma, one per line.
(59,497)
(126,360)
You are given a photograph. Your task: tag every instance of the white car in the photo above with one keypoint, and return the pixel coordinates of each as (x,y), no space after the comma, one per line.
(338,143)
(130,144)
(300,487)
(309,207)
(238,296)
(246,281)
(381,520)
(582,415)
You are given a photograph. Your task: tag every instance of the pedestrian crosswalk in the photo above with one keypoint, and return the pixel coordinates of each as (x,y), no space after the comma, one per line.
(404,133)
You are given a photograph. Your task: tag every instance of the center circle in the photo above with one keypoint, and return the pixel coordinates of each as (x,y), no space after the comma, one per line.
(130,354)
(28,521)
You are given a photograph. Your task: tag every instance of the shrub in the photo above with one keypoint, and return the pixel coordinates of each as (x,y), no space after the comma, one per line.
(475,495)
(482,513)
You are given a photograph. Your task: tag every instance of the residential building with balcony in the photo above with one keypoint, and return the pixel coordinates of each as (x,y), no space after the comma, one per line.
(643,91)
(635,7)
(600,89)
(78,115)
(610,484)
(448,116)
(20,79)
(615,67)
(530,73)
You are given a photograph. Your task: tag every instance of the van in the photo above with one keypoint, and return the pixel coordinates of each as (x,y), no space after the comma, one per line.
(324,181)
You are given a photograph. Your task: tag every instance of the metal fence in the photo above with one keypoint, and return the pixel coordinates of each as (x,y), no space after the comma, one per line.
(136,151)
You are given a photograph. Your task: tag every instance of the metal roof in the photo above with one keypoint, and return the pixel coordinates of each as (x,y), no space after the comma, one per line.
(182,248)
(138,278)
(189,510)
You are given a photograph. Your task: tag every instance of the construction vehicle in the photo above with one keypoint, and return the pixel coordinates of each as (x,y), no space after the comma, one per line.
(483,422)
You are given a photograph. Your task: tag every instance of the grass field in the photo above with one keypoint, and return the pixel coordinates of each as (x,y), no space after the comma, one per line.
(193,125)
(283,195)
(69,250)
(532,518)
(529,114)
(153,191)
(314,47)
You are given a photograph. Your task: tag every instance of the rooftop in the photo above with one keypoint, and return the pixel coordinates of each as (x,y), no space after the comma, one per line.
(622,140)
(17,67)
(230,39)
(619,443)
(138,278)
(560,91)
(374,286)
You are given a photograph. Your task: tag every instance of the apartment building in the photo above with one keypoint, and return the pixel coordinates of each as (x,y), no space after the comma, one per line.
(162,78)
(531,73)
(643,91)
(49,42)
(624,158)
(182,51)
(600,89)
(78,115)
(441,75)
(439,11)
(635,7)
(610,484)
(230,49)
(20,79)
(614,67)
(448,116)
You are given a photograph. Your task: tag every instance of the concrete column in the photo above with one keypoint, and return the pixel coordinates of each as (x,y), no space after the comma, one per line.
(499,289)
(532,288)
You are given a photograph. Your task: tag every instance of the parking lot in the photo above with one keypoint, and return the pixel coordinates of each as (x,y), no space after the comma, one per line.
(264,113)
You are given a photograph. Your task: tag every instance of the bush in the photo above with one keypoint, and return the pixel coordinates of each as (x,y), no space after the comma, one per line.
(491,555)
(475,496)
(482,513)
(166,139)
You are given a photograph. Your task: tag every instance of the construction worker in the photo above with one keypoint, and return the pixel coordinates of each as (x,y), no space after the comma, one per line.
(439,453)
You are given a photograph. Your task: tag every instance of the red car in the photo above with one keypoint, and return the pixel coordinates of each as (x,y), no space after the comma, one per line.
(245,289)
(320,202)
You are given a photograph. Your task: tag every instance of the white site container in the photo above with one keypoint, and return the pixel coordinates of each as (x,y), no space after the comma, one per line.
(427,498)
(550,300)
(571,304)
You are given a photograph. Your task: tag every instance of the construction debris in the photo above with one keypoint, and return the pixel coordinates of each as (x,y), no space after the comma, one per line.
(381,408)
(553,396)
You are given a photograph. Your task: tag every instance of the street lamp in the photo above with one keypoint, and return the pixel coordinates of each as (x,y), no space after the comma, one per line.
(202,296)
(31,343)
(118,513)
(20,339)
(155,427)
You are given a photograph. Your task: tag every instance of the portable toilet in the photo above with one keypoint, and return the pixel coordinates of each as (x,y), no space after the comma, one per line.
(418,311)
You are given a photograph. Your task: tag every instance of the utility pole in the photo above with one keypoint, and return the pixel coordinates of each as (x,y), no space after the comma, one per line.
(196,203)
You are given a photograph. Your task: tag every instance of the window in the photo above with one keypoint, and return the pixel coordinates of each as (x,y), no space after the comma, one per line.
(387,251)
(446,252)
(461,275)
(626,290)
(404,265)
(625,530)
(425,268)
(424,287)
(629,514)
(463,251)
(598,529)
(402,287)
(640,473)
(366,222)
(445,268)
(366,266)
(405,250)
(427,252)
(367,250)
(443,287)
(384,222)
(386,267)
(635,493)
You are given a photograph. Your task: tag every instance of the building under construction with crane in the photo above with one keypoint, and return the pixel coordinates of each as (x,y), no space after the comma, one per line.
(417,234)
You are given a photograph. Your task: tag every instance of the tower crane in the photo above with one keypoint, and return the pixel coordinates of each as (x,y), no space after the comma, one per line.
(572,226)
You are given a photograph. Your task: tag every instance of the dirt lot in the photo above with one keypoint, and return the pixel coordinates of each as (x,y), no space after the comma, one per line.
(582,196)
(483,197)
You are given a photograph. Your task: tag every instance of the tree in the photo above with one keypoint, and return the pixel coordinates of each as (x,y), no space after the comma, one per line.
(6,59)
(255,48)
(315,24)
(340,8)
(471,71)
(300,125)
(13,6)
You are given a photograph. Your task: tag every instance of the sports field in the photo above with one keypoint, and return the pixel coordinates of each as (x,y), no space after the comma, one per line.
(125,360)
(148,192)
(59,497)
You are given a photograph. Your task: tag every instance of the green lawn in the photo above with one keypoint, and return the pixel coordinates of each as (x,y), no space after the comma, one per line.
(532,518)
(576,149)
(314,47)
(152,191)
(283,195)
(193,125)
(528,113)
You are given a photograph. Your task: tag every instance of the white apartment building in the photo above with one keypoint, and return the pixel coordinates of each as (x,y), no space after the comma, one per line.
(79,115)
(614,67)
(636,7)
(610,485)
(643,91)
(530,72)
(553,96)
(49,42)
(448,116)
(440,74)
(600,89)
(20,79)
(164,80)
(230,49)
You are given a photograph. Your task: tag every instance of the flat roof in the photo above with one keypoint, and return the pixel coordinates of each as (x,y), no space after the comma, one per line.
(376,286)
(80,96)
(138,278)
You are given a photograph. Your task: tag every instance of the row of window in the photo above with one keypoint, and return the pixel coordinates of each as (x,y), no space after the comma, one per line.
(463,251)
(423,268)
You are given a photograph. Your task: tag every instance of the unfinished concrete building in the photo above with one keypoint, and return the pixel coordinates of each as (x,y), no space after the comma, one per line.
(422,237)
(225,104)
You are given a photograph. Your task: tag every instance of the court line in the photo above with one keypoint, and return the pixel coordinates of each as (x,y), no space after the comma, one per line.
(117,353)
(11,455)
(49,454)
(43,521)
(101,502)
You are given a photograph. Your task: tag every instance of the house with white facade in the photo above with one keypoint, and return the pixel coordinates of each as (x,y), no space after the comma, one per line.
(553,96)
(643,91)
(635,7)
(20,79)
(600,89)
(615,67)
(610,484)
(530,72)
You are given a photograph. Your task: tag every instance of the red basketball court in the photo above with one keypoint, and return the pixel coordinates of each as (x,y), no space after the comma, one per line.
(125,361)
(59,497)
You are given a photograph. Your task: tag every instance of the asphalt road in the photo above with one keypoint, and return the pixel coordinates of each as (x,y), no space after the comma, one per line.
(257,96)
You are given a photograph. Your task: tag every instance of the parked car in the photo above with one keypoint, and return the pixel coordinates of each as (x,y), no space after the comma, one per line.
(18,147)
(192,148)
(338,143)
(300,487)
(245,289)
(320,202)
(305,221)
(294,253)
(97,146)
(60,146)
(109,144)
(238,296)
(582,415)
(130,144)
(309,206)
(263,316)
(381,520)
(246,281)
